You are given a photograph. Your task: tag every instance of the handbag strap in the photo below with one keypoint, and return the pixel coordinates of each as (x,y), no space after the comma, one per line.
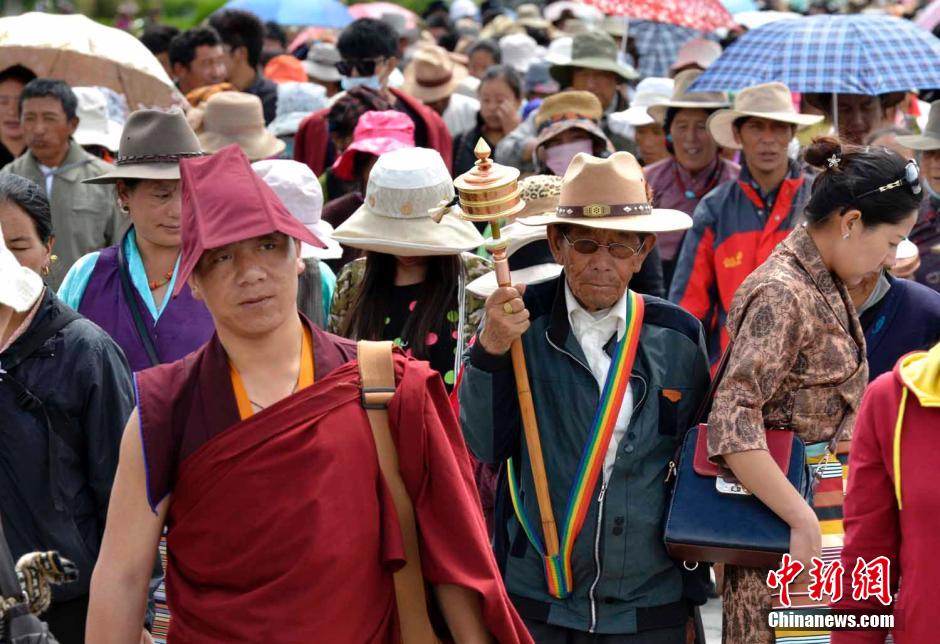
(123,271)
(377,372)
(706,405)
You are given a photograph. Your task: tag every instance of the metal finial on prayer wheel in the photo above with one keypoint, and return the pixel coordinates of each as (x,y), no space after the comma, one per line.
(489,191)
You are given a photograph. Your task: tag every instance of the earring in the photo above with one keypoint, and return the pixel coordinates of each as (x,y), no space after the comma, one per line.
(124,208)
(845,236)
(45,270)
(53,259)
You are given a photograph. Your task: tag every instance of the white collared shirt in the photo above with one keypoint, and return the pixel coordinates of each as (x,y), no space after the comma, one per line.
(593,331)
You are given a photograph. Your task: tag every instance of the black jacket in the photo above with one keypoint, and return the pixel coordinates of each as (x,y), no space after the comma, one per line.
(55,486)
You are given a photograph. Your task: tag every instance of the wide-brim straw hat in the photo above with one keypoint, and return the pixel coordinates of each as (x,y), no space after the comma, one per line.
(403,187)
(771,101)
(610,194)
(682,98)
(152,144)
(237,117)
(929,138)
(592,50)
(20,287)
(432,75)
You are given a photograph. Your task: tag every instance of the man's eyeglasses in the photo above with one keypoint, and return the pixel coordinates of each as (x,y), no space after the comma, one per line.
(365,67)
(589,247)
(911,179)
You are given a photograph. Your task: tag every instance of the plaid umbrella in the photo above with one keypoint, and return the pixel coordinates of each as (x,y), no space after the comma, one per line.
(856,54)
(706,15)
(658,43)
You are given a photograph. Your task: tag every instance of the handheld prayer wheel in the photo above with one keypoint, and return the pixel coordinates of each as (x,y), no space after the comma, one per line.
(490,192)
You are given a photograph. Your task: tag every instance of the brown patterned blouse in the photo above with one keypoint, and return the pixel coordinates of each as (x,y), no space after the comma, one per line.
(798,358)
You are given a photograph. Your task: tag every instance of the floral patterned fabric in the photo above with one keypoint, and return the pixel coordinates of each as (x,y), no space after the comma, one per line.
(797,361)
(347,290)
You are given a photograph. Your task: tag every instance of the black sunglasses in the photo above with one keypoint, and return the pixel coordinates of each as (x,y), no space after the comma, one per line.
(911,179)
(589,247)
(365,67)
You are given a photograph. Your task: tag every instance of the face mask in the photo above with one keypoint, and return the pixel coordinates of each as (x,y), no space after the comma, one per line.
(372,82)
(558,157)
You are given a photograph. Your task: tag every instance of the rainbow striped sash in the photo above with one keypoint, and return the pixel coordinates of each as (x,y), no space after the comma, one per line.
(558,572)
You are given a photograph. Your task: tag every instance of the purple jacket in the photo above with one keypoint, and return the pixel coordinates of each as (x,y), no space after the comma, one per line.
(184,326)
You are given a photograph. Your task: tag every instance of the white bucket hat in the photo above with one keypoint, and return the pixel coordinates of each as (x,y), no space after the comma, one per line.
(299,190)
(295,102)
(518,51)
(767,101)
(649,91)
(95,125)
(403,186)
(19,286)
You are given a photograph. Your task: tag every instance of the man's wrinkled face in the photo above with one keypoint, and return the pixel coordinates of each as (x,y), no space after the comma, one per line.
(859,116)
(602,84)
(693,146)
(250,287)
(597,279)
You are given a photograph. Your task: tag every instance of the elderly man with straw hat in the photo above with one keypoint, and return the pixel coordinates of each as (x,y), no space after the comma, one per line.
(616,378)
(738,224)
(694,166)
(926,232)
(593,67)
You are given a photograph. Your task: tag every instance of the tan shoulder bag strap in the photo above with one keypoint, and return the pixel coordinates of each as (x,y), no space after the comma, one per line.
(377,371)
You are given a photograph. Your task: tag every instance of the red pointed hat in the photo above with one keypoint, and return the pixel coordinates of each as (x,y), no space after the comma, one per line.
(225,201)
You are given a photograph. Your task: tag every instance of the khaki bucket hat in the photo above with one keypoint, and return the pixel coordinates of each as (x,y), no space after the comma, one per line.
(682,98)
(767,101)
(592,50)
(237,117)
(929,139)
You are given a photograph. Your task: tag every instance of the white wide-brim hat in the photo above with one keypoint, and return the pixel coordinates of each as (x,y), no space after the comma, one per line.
(297,187)
(519,236)
(404,186)
(19,286)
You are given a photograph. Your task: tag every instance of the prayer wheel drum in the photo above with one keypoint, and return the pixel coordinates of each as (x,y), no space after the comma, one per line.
(488,191)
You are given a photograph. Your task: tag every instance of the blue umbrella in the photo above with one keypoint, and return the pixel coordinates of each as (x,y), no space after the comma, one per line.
(858,54)
(302,13)
(738,6)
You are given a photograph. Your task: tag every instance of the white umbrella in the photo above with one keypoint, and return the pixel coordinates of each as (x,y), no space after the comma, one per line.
(81,51)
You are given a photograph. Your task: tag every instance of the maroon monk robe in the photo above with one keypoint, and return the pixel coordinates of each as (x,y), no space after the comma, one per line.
(280,527)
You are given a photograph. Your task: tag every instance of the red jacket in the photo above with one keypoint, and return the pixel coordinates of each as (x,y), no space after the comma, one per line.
(312,142)
(884,517)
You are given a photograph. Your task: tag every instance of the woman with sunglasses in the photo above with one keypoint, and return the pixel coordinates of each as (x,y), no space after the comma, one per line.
(796,358)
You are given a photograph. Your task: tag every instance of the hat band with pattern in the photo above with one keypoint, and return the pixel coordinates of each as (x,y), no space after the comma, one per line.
(566,116)
(604,210)
(157,158)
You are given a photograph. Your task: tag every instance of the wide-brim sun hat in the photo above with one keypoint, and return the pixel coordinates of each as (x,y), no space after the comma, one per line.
(592,50)
(95,125)
(649,91)
(609,194)
(298,189)
(682,98)
(403,187)
(771,101)
(321,62)
(237,117)
(152,144)
(432,75)
(929,138)
(295,102)
(20,287)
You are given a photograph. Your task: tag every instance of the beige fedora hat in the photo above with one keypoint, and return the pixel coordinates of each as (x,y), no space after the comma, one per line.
(611,194)
(432,74)
(152,144)
(929,138)
(403,186)
(767,101)
(237,117)
(682,98)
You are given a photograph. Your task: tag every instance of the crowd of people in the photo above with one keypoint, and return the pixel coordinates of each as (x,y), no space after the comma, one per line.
(189,420)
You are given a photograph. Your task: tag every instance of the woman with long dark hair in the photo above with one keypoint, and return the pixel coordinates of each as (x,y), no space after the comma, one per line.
(409,287)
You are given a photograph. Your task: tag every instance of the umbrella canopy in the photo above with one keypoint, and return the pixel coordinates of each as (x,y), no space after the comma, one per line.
(706,15)
(376,9)
(80,51)
(756,19)
(857,54)
(305,13)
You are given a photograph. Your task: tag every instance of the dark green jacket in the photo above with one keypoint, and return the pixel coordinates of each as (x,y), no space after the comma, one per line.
(620,566)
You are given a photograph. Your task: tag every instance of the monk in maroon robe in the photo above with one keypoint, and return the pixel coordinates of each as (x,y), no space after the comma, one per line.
(256,455)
